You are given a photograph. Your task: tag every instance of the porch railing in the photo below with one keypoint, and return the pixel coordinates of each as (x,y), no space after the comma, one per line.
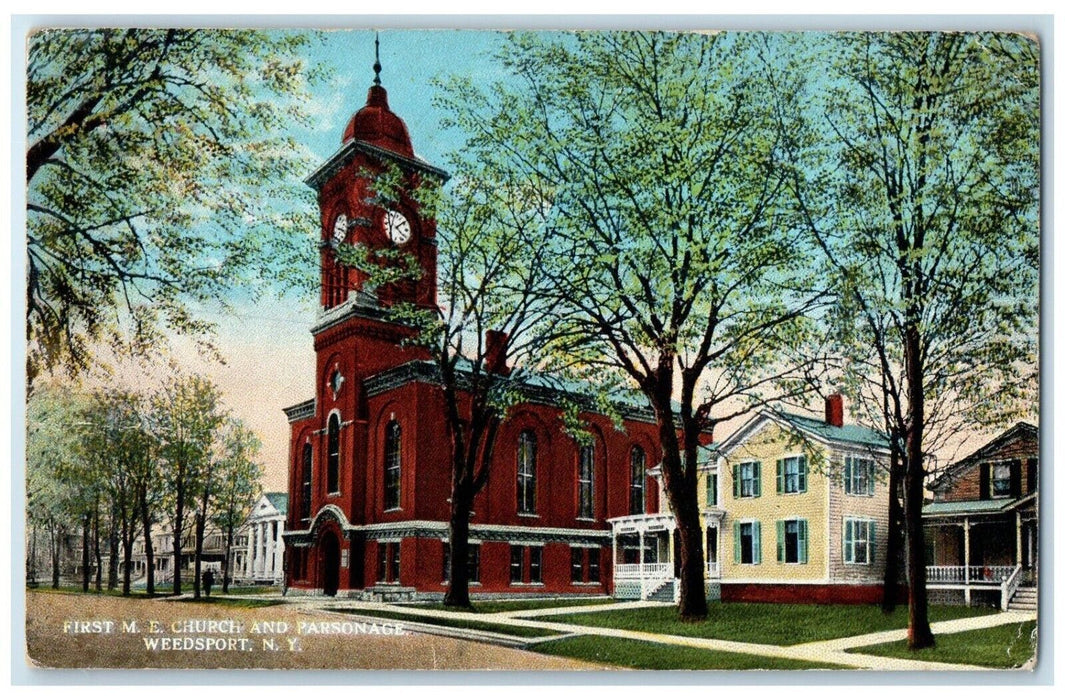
(643,571)
(1009,587)
(975,574)
(713,569)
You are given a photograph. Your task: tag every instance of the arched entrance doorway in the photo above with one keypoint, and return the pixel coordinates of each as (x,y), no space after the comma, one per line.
(330,550)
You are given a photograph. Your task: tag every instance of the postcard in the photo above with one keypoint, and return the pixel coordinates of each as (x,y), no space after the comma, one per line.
(532,350)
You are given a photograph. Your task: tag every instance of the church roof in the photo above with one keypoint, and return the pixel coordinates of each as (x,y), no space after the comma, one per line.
(378,125)
(537,387)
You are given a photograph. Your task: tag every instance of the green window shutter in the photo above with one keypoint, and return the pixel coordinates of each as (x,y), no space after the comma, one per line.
(737,548)
(735,481)
(757,479)
(757,544)
(780,540)
(847,467)
(780,476)
(802,542)
(848,541)
(872,541)
(802,474)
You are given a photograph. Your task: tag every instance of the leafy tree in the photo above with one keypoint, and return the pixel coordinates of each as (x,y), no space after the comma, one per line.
(920,181)
(237,485)
(51,454)
(187,418)
(676,263)
(158,179)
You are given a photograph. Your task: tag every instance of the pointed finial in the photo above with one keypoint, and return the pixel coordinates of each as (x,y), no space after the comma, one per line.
(377,59)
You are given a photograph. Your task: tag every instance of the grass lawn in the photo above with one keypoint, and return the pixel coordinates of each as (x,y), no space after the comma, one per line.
(76,590)
(633,653)
(765,623)
(478,625)
(1005,646)
(487,607)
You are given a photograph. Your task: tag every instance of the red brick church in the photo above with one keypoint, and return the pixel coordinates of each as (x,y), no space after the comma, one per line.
(369,475)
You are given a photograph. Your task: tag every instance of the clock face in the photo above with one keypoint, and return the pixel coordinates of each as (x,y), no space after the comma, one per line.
(340,229)
(397,227)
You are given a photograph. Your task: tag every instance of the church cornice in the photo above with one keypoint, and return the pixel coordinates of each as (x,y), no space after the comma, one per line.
(301,411)
(347,152)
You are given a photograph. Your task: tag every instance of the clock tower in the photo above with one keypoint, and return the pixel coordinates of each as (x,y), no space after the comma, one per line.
(366,199)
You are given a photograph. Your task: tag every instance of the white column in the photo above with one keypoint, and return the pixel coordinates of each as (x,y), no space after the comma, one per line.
(1019,558)
(968,593)
(263,544)
(643,579)
(275,532)
(248,554)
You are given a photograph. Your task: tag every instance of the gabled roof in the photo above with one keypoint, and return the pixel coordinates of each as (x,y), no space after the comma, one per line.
(278,500)
(847,435)
(1021,430)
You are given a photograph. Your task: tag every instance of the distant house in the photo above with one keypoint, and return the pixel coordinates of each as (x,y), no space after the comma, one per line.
(258,550)
(982,526)
(794,509)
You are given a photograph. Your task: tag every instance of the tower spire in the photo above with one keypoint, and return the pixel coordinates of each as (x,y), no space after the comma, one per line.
(377,58)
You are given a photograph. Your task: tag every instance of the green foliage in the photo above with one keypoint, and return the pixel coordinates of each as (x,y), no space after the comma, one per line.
(159,179)
(237,475)
(919,175)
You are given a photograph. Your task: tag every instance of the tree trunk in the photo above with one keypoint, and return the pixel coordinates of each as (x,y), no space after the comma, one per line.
(97,554)
(199,524)
(85,573)
(127,555)
(115,535)
(149,551)
(55,544)
(179,522)
(919,635)
(458,586)
(896,477)
(225,558)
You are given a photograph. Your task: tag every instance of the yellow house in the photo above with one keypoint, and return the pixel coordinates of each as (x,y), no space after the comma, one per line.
(794,509)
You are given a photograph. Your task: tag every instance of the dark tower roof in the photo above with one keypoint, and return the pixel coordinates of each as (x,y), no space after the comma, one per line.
(378,125)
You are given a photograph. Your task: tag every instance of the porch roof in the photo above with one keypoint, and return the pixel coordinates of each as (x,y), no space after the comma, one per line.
(977,507)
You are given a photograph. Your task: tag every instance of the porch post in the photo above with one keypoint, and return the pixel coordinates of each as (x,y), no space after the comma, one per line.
(1018,559)
(968,593)
(643,579)
(672,545)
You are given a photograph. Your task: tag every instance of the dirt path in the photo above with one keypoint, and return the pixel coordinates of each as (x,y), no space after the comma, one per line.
(87,631)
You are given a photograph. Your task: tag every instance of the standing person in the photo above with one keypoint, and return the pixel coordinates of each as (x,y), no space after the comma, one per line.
(208,581)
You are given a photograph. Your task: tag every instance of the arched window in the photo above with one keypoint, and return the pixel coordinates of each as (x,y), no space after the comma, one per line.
(392,465)
(333,469)
(527,472)
(638,462)
(585,478)
(305,490)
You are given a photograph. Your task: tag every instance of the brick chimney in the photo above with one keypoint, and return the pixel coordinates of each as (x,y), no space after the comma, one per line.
(705,438)
(495,352)
(834,410)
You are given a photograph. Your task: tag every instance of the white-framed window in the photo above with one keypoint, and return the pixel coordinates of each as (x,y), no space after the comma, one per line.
(527,472)
(637,477)
(859,476)
(536,564)
(791,474)
(517,563)
(585,478)
(859,540)
(333,461)
(792,539)
(747,542)
(392,465)
(747,480)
